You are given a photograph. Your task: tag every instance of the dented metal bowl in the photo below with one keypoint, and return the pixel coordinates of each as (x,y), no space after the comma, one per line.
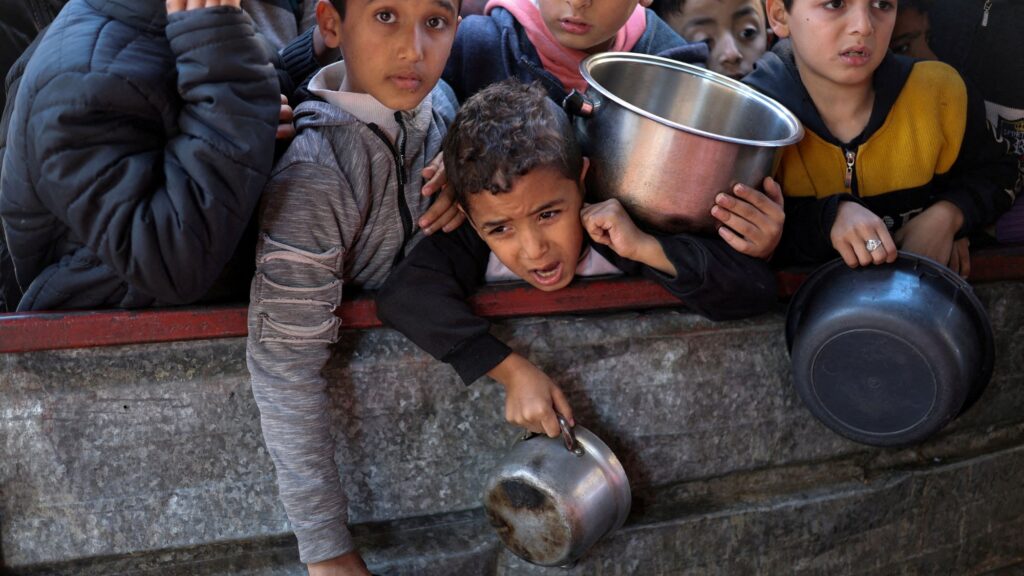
(551,499)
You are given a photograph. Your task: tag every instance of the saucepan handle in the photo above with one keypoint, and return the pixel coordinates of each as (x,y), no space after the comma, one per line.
(571,444)
(576,104)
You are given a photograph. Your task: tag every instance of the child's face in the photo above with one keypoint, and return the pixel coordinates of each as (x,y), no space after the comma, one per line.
(837,43)
(910,34)
(394,50)
(733,29)
(534,228)
(587,25)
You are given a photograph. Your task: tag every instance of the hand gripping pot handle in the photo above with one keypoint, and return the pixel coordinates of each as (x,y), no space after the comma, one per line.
(568,437)
(576,104)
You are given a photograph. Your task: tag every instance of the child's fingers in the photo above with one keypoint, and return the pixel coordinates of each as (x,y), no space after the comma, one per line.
(195,4)
(738,243)
(755,206)
(455,222)
(175,6)
(549,422)
(562,406)
(847,253)
(891,252)
(738,223)
(773,191)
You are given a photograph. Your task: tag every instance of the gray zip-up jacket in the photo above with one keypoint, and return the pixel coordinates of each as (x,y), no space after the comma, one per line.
(337,210)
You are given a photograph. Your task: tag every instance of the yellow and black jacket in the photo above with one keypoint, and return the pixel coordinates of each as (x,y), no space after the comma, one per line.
(927,140)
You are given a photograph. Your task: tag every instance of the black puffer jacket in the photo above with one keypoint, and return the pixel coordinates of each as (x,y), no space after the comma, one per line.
(137,151)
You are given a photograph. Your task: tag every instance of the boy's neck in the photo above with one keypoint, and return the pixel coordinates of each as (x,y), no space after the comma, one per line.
(844,109)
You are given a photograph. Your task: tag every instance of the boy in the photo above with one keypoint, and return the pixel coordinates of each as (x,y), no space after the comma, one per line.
(517,173)
(546,40)
(340,208)
(896,153)
(911,32)
(734,30)
(136,153)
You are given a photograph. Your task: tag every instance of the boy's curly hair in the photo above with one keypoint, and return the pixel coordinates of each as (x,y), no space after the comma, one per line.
(503,132)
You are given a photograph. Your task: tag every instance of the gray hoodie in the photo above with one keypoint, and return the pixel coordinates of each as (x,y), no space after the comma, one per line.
(338,209)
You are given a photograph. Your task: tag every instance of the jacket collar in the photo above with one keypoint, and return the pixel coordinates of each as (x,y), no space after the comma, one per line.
(776,75)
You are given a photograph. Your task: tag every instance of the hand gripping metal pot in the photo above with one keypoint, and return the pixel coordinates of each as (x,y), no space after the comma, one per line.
(665,137)
(551,499)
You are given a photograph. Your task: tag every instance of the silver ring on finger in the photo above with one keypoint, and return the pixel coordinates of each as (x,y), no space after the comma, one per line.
(873,244)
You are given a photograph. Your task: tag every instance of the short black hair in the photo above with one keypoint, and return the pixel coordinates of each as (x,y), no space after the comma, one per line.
(665,7)
(503,132)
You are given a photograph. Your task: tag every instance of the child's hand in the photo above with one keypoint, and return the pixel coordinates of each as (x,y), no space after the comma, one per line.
(179,5)
(285,129)
(932,232)
(608,223)
(751,221)
(443,214)
(350,564)
(531,398)
(855,225)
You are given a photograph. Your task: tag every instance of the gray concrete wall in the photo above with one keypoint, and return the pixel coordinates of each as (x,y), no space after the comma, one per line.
(148,459)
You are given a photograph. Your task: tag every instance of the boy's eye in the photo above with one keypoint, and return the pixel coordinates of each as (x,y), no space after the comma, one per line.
(883,5)
(749,32)
(834,4)
(497,231)
(437,23)
(901,48)
(385,17)
(548,214)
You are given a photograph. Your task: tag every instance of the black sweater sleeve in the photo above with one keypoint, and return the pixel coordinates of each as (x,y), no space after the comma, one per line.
(426,299)
(981,180)
(711,279)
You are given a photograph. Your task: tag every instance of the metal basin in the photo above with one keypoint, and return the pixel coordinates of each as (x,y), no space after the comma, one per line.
(888,355)
(551,499)
(665,137)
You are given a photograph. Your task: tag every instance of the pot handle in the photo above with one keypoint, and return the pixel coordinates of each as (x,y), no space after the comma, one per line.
(576,104)
(568,437)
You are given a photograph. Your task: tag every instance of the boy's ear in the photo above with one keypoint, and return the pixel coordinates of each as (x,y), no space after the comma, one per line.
(778,18)
(583,171)
(329,22)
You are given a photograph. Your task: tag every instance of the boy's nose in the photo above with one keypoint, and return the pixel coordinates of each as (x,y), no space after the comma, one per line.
(579,4)
(860,20)
(728,52)
(534,245)
(412,45)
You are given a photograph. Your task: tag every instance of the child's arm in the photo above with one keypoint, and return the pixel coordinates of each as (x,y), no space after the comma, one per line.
(425,298)
(307,220)
(709,276)
(854,230)
(163,207)
(608,223)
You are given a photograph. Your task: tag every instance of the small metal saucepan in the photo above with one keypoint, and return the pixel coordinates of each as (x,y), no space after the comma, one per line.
(888,355)
(551,499)
(665,137)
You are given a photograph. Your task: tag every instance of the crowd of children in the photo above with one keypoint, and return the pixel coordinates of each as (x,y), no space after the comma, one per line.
(140,137)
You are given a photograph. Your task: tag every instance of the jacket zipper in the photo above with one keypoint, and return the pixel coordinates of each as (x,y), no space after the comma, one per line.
(398,154)
(984,14)
(851,165)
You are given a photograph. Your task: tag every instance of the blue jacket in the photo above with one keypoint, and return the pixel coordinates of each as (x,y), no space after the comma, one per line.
(491,48)
(136,154)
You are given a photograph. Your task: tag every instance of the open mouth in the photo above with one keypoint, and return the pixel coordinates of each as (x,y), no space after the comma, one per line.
(856,54)
(548,275)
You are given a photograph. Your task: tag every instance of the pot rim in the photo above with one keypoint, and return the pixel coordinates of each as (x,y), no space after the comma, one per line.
(796,128)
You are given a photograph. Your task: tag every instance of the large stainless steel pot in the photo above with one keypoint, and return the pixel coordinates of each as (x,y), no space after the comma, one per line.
(665,137)
(551,499)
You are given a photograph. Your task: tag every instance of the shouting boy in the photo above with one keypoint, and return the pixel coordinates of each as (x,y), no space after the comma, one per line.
(517,173)
(896,153)
(341,208)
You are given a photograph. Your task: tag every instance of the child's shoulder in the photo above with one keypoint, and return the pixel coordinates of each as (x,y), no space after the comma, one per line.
(935,75)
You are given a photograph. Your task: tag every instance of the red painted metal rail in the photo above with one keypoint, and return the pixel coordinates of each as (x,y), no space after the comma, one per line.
(27,332)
